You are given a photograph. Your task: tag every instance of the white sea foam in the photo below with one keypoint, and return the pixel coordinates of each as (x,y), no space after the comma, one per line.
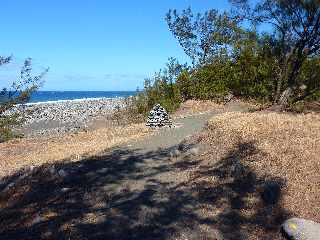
(72,101)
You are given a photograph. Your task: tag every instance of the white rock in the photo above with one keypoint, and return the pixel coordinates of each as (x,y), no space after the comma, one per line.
(194,151)
(37,220)
(65,189)
(31,168)
(52,170)
(301,229)
(62,173)
(103,170)
(175,153)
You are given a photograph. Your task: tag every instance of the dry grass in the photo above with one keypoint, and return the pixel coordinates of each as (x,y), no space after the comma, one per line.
(259,169)
(286,146)
(191,107)
(35,152)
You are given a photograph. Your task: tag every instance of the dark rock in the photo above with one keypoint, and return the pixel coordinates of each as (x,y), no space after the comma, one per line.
(271,193)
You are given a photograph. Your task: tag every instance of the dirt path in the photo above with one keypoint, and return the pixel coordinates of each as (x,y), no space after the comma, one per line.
(140,190)
(169,137)
(184,126)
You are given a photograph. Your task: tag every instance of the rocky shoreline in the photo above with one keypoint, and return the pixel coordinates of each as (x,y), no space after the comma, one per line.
(58,117)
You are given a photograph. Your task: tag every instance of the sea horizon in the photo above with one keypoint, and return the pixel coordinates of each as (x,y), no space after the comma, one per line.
(56,96)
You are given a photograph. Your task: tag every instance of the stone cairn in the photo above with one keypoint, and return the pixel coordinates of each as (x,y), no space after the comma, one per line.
(158,117)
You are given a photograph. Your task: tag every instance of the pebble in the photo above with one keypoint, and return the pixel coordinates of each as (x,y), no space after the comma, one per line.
(9,186)
(37,220)
(194,151)
(65,189)
(103,170)
(62,173)
(175,153)
(52,170)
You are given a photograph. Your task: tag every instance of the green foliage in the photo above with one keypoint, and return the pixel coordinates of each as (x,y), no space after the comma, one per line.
(252,75)
(281,66)
(249,74)
(162,89)
(203,36)
(185,85)
(295,38)
(18,93)
(6,125)
(210,82)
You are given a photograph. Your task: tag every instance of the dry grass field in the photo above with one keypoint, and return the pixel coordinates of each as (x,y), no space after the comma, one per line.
(34,152)
(268,167)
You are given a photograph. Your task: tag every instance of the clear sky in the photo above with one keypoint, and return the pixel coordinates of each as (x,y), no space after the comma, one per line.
(92,44)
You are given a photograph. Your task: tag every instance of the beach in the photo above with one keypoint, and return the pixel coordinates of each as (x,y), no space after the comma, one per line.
(64,116)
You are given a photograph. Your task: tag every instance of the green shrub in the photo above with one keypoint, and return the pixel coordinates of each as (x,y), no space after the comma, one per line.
(162,89)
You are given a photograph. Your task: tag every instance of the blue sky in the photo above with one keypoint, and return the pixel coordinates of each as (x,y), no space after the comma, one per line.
(91,44)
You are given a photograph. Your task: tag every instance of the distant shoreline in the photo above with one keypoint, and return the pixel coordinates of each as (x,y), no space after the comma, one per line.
(65,116)
(71,101)
(58,96)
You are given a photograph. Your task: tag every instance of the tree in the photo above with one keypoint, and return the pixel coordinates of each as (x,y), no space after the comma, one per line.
(296,38)
(203,36)
(18,93)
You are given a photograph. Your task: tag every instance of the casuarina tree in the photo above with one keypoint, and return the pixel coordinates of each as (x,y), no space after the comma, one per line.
(18,93)
(296,39)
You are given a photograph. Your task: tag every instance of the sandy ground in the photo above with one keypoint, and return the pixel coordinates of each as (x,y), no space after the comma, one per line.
(226,182)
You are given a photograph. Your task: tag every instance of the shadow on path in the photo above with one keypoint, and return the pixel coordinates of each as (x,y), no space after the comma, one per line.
(131,194)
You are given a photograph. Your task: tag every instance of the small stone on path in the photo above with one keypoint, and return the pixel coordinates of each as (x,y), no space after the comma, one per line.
(52,170)
(301,229)
(62,173)
(194,151)
(175,153)
(103,170)
(37,220)
(65,189)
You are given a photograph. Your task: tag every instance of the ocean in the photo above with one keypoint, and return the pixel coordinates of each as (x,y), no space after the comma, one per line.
(46,96)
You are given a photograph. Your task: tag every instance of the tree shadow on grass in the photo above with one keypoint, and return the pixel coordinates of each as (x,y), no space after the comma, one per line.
(132,194)
(248,204)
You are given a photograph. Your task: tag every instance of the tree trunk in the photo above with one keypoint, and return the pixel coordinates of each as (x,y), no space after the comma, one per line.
(278,91)
(284,98)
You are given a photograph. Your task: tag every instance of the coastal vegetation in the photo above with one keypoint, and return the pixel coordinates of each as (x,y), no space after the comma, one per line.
(18,93)
(231,54)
